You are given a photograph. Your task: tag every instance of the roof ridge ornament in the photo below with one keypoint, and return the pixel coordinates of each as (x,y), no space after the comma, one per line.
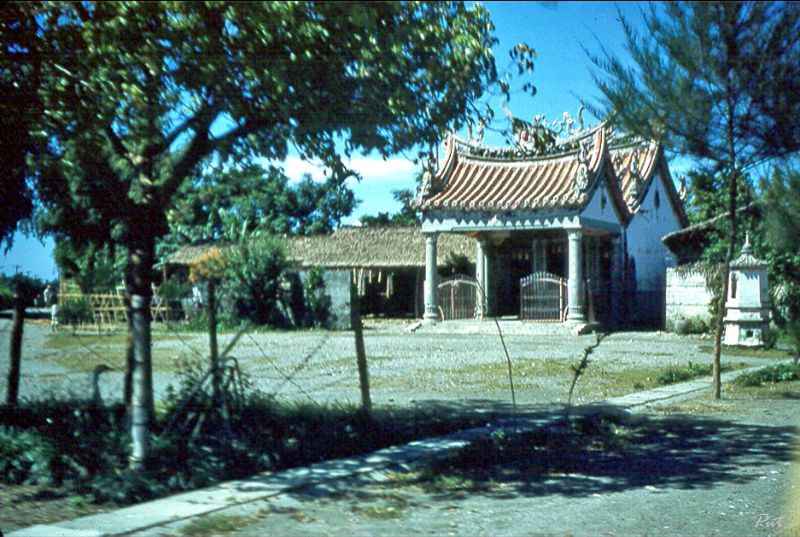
(582,177)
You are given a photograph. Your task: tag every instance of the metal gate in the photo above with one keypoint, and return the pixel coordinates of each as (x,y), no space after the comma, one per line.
(458,298)
(543,297)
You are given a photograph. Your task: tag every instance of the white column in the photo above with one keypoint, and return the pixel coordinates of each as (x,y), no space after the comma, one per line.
(575,311)
(431,279)
(480,276)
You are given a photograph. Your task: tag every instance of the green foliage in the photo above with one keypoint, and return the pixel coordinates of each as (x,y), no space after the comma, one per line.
(137,97)
(222,203)
(30,287)
(792,330)
(253,279)
(96,269)
(75,311)
(25,457)
(55,441)
(710,80)
(20,114)
(717,81)
(129,120)
(773,374)
(675,374)
(174,289)
(71,443)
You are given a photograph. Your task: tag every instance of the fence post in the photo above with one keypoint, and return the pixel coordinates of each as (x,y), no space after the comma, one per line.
(16,346)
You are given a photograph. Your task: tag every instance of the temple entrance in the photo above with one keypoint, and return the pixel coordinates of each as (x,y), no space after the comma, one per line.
(458,298)
(543,297)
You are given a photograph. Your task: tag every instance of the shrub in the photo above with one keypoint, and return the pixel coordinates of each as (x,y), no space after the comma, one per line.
(792,331)
(252,279)
(25,457)
(76,311)
(773,374)
(679,374)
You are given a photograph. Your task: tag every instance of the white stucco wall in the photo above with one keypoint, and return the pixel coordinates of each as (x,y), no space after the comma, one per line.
(601,206)
(687,297)
(655,218)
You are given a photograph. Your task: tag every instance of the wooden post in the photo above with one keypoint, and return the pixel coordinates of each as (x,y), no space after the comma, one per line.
(361,356)
(16,346)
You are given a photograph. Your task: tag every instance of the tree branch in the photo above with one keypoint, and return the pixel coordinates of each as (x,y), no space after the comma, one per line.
(118,146)
(189,123)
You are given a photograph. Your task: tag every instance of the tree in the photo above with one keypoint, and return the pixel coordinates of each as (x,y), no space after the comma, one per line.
(96,269)
(139,96)
(220,202)
(717,81)
(781,201)
(20,113)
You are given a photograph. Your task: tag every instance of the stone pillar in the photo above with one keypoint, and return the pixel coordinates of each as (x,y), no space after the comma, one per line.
(480,270)
(486,283)
(431,279)
(576,311)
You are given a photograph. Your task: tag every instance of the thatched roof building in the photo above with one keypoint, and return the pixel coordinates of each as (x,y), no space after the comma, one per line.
(383,248)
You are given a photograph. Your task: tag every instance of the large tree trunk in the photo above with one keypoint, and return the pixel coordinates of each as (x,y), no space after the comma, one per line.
(140,264)
(130,359)
(18,322)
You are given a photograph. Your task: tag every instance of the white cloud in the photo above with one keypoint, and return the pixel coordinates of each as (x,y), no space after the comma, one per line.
(377,167)
(370,168)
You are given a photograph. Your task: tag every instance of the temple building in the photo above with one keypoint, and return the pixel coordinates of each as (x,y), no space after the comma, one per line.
(566,229)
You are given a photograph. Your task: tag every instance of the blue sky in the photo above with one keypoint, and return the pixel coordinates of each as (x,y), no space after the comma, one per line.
(558,31)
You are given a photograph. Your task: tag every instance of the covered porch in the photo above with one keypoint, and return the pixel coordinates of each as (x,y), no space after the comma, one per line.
(556,274)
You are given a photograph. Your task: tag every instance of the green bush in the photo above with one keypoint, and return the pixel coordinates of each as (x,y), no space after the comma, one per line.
(792,331)
(87,449)
(31,288)
(75,312)
(25,457)
(679,374)
(770,375)
(253,277)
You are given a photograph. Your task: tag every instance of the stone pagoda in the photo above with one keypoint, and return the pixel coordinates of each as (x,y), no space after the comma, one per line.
(747,305)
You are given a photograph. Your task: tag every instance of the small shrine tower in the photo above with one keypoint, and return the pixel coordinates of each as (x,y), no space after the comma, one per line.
(747,304)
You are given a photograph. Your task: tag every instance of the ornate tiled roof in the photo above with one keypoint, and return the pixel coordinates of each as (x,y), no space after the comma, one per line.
(478,178)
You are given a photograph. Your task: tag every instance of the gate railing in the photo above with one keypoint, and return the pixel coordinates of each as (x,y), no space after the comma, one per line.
(459,298)
(543,297)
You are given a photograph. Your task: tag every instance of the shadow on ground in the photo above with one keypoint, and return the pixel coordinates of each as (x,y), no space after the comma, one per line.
(593,453)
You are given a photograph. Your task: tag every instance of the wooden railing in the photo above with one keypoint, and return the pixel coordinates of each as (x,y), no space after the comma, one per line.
(109,308)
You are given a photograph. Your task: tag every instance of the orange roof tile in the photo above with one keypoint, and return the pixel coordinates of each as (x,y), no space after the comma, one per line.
(476,178)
